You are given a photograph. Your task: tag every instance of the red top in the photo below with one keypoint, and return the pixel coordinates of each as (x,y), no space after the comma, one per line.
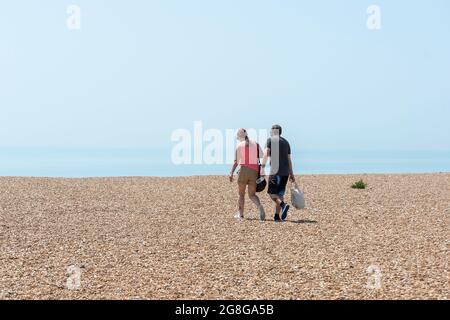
(247,156)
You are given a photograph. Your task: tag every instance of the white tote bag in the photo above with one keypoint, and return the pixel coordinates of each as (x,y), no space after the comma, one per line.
(297,197)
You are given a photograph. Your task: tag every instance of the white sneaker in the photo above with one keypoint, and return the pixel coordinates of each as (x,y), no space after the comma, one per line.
(262,213)
(238,216)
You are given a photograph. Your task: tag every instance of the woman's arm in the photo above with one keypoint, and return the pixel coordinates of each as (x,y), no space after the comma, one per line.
(260,151)
(233,168)
(235,164)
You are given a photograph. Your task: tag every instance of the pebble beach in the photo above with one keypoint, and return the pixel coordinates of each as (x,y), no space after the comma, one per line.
(176,238)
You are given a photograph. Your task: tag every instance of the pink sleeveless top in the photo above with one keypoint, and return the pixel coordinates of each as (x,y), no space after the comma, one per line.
(247,156)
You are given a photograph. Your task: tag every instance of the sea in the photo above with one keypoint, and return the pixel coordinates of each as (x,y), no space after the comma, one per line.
(120,162)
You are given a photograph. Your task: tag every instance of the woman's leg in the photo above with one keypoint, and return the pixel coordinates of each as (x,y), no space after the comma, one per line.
(241,198)
(255,199)
(252,195)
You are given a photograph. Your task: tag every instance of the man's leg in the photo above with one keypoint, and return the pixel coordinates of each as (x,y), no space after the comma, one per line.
(275,198)
(279,204)
(273,193)
(282,191)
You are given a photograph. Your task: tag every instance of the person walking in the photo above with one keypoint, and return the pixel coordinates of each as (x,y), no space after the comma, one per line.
(278,150)
(247,156)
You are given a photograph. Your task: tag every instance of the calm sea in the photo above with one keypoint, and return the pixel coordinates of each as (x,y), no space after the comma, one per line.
(157,162)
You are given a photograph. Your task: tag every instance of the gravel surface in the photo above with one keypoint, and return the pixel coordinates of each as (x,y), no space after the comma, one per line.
(176,238)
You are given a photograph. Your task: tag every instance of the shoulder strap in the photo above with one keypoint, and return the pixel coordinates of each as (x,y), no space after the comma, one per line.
(257,158)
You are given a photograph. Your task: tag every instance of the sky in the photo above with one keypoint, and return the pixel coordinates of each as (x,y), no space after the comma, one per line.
(138,70)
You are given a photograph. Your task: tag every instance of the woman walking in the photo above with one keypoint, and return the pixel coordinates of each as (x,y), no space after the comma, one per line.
(246,156)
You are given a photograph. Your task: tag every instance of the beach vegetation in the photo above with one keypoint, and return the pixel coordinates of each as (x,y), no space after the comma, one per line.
(359,184)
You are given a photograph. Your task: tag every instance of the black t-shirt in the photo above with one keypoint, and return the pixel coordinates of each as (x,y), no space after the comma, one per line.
(279,152)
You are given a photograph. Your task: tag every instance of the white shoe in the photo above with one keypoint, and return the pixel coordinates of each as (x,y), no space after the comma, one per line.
(238,216)
(262,213)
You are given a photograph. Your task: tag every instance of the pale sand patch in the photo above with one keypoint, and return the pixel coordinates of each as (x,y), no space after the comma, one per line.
(154,238)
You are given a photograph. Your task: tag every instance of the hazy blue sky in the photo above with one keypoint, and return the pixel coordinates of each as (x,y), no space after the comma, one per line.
(137,70)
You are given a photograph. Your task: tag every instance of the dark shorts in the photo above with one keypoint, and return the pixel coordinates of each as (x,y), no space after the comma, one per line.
(277,185)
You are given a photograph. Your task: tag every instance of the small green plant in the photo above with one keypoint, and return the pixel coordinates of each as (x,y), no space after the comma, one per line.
(359,185)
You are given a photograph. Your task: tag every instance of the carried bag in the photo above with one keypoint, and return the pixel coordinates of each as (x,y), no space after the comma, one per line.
(297,197)
(261,181)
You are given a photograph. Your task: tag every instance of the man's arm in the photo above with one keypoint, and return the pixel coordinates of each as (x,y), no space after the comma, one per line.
(264,161)
(291,170)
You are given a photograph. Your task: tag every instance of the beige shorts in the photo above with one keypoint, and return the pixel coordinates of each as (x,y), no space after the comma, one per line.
(247,176)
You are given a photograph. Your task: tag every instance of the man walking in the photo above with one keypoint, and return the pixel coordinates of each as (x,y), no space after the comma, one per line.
(279,151)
